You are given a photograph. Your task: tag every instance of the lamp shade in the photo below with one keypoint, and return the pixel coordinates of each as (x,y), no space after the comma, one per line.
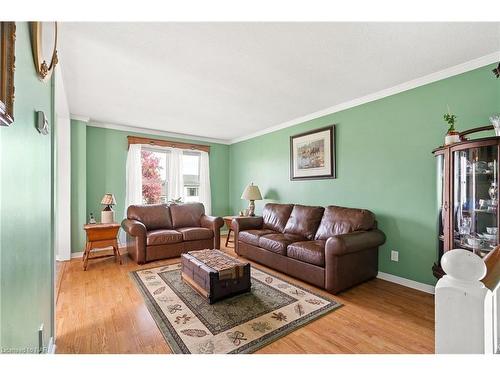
(108,199)
(251,193)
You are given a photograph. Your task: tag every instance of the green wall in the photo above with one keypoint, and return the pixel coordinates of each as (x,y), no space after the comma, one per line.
(78,184)
(26,256)
(106,156)
(384,163)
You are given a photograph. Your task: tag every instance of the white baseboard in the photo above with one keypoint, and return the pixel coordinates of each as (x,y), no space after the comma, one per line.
(406,282)
(51,349)
(123,250)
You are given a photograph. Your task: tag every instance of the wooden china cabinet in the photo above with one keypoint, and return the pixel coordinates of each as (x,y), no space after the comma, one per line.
(468,212)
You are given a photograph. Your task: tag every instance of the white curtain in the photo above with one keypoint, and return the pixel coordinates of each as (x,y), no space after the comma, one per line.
(175,175)
(133,180)
(205,195)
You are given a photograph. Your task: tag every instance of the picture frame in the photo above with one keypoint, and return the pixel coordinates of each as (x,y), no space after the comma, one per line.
(312,154)
(7,67)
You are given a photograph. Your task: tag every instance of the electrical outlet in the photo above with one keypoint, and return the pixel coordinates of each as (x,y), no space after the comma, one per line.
(395,256)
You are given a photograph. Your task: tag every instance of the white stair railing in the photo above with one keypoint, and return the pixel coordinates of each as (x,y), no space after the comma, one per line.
(466,311)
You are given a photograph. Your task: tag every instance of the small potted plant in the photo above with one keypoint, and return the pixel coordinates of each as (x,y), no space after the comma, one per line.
(452,136)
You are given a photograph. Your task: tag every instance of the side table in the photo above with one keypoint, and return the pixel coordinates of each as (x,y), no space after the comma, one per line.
(101,236)
(228,220)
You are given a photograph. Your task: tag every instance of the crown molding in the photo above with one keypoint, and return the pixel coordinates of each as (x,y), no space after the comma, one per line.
(160,133)
(79,117)
(136,129)
(430,78)
(427,79)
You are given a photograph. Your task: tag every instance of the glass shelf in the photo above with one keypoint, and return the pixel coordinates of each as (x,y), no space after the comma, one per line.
(475,202)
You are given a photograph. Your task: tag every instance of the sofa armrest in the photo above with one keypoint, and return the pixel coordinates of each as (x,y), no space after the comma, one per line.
(354,242)
(244,223)
(134,228)
(136,239)
(247,222)
(212,222)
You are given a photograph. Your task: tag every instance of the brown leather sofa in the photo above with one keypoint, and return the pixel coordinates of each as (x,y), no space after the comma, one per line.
(159,231)
(333,248)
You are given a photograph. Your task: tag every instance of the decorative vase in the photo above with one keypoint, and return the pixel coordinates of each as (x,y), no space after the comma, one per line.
(452,137)
(495,121)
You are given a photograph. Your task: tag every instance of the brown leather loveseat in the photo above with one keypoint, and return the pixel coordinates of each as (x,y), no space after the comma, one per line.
(159,231)
(333,248)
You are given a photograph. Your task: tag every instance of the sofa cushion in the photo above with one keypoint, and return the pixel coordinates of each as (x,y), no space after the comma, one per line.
(312,252)
(278,242)
(252,236)
(341,220)
(304,220)
(276,216)
(163,237)
(153,216)
(196,233)
(187,215)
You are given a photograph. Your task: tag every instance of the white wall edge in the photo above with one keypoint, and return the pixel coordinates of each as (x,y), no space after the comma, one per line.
(406,282)
(430,78)
(51,349)
(123,251)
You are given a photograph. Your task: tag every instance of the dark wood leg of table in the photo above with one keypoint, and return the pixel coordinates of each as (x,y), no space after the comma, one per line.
(228,235)
(117,252)
(87,255)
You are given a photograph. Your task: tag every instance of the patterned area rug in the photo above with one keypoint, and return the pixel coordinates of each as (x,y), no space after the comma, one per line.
(240,324)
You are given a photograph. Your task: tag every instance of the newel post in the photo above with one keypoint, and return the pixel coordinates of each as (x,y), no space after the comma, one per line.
(463,305)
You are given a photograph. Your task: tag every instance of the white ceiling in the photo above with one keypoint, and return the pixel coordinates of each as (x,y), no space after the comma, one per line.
(228,80)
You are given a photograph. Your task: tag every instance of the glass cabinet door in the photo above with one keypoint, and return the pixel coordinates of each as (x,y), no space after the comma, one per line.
(440,204)
(475,199)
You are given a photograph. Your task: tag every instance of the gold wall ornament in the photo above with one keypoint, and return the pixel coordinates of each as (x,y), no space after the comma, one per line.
(44,45)
(7,67)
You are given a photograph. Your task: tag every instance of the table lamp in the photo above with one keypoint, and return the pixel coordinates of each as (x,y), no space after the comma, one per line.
(251,193)
(107,214)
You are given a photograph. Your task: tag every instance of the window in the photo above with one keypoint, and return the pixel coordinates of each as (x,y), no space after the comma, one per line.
(154,176)
(155,180)
(191,171)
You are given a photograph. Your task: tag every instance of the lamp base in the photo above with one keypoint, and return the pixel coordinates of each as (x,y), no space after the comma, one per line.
(107,217)
(251,208)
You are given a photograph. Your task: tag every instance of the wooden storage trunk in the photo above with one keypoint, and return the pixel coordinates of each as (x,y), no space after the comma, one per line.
(215,275)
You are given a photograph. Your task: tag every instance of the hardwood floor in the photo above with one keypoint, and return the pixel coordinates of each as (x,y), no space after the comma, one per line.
(100,311)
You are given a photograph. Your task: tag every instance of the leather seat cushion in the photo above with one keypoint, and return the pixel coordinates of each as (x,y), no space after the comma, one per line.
(275,216)
(304,220)
(278,242)
(341,220)
(252,236)
(196,233)
(163,237)
(312,252)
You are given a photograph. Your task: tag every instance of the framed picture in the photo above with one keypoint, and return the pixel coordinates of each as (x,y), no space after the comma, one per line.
(7,45)
(312,154)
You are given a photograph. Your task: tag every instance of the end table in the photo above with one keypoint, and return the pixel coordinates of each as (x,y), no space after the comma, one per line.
(228,220)
(101,236)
